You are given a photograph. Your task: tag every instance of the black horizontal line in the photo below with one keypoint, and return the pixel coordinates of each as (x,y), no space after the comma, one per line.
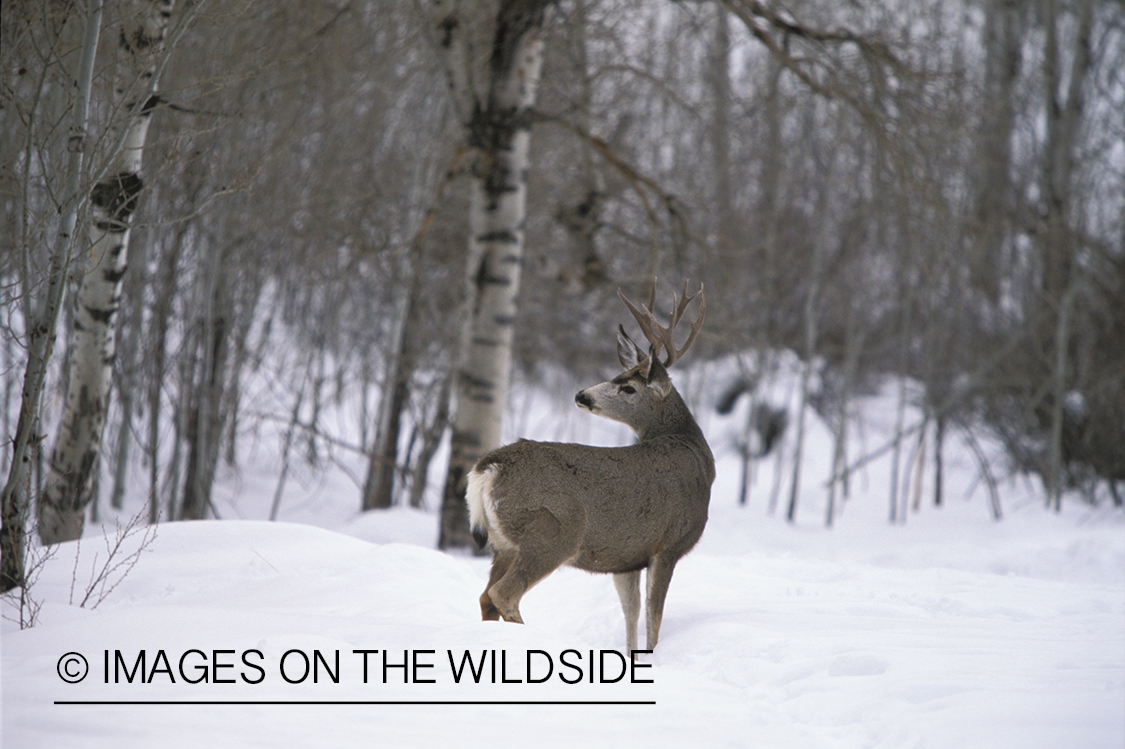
(355,702)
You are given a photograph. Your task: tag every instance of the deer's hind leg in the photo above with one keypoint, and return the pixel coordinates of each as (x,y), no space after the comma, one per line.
(541,545)
(500,564)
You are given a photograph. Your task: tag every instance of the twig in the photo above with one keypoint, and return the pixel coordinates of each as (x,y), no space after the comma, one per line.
(112,572)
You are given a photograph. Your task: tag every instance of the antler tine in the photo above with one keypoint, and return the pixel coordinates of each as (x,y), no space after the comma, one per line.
(645,319)
(662,337)
(674,354)
(679,306)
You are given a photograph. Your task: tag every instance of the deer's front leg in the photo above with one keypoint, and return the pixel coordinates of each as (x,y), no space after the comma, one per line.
(628,586)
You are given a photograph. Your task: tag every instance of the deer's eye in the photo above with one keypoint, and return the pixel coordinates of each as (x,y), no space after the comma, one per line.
(628,389)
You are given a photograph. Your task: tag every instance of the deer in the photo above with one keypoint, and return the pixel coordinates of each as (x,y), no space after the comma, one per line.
(615,510)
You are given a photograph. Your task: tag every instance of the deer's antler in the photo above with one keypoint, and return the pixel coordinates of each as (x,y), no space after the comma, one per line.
(659,336)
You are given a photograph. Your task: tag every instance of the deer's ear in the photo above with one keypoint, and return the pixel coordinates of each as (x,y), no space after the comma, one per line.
(628,353)
(657,376)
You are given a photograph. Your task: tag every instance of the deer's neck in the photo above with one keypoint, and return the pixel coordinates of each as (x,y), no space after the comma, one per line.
(673,420)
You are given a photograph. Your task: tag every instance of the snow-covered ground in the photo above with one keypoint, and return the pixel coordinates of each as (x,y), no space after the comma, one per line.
(950,630)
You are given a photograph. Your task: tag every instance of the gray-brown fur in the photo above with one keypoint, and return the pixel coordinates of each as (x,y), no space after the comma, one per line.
(615,510)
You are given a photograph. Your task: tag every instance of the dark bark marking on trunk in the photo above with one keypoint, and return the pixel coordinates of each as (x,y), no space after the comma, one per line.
(114,275)
(117,195)
(486,277)
(517,18)
(476,382)
(111,227)
(506,237)
(448,26)
(103,316)
(139,39)
(150,104)
(492,131)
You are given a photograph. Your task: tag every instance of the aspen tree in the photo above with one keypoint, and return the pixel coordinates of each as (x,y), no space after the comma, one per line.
(113,199)
(493,55)
(43,329)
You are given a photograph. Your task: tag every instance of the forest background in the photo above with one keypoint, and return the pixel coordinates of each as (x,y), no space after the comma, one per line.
(927,189)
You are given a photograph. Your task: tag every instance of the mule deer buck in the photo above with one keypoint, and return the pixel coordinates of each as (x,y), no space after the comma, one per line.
(619,510)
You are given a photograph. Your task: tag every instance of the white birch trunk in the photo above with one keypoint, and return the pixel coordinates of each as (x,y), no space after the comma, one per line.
(92,346)
(494,56)
(43,327)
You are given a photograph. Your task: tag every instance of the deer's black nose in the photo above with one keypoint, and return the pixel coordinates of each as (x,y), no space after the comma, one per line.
(584,400)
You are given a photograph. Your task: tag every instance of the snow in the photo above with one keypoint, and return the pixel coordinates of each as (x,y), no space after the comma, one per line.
(951,630)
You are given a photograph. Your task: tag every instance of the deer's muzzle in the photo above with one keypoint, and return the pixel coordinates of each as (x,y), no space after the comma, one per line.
(584,400)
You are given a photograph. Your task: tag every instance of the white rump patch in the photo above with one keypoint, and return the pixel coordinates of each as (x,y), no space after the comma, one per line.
(482,505)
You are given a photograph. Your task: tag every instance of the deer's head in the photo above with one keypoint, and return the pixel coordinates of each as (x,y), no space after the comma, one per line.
(637,396)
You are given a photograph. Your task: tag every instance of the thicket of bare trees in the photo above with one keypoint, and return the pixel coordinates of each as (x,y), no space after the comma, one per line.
(931,189)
